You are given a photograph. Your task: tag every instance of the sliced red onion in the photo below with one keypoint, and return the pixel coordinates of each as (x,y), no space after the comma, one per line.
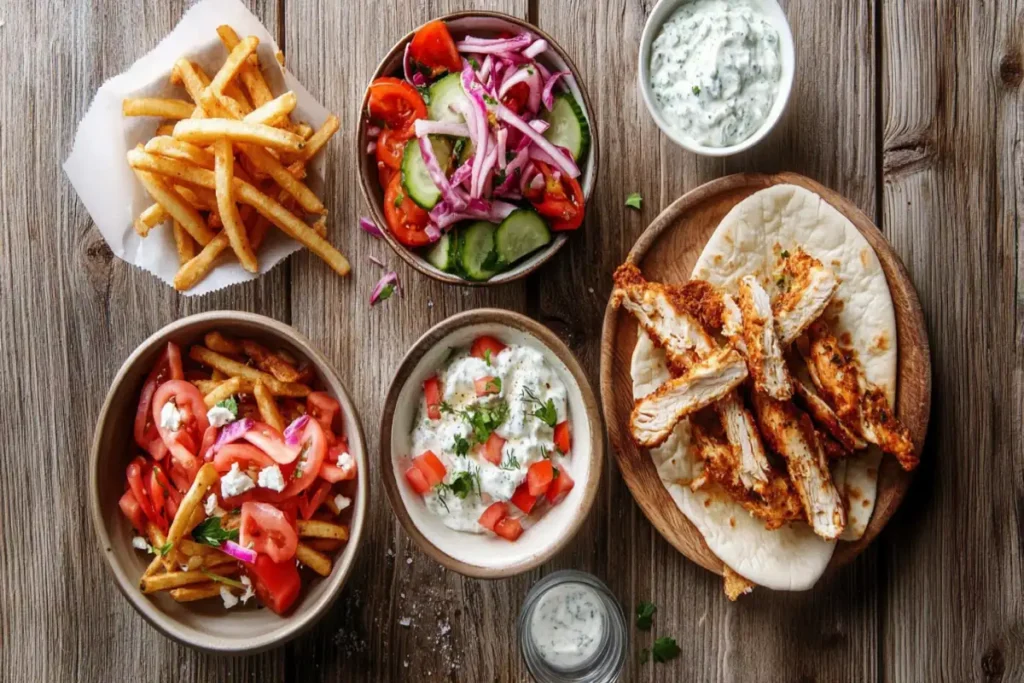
(538,154)
(371,147)
(414,77)
(424,127)
(293,432)
(372,131)
(548,95)
(485,171)
(528,174)
(231,432)
(513,58)
(239,552)
(462,174)
(564,163)
(369,226)
(545,73)
(433,232)
(482,141)
(535,48)
(388,279)
(490,46)
(531,77)
(539,125)
(502,136)
(477,209)
(485,68)
(436,174)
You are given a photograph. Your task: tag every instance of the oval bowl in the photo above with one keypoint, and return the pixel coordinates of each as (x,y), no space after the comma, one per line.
(206,625)
(484,556)
(555,58)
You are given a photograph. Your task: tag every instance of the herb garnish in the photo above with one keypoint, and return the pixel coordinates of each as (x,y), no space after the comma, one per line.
(696,90)
(399,198)
(634,200)
(511,462)
(545,412)
(490,100)
(461,446)
(644,615)
(164,549)
(460,145)
(493,385)
(473,63)
(223,579)
(487,357)
(386,293)
(664,649)
(485,420)
(210,532)
(462,485)
(424,93)
(229,404)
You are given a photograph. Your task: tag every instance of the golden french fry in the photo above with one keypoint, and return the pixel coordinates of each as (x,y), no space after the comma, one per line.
(189,547)
(275,111)
(206,131)
(149,219)
(165,128)
(162,582)
(200,591)
(177,149)
(216,341)
(239,54)
(268,361)
(233,368)
(233,226)
(316,561)
(176,206)
(267,406)
(320,226)
(216,559)
(195,270)
(199,197)
(218,376)
(205,386)
(227,389)
(258,231)
(156,566)
(249,74)
(324,545)
(191,502)
(155,536)
(266,163)
(184,243)
(304,130)
(319,138)
(298,169)
(157,106)
(316,528)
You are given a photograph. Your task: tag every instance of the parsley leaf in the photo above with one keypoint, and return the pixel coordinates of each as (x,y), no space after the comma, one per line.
(485,420)
(386,293)
(210,532)
(633,200)
(545,412)
(664,649)
(462,485)
(473,63)
(461,446)
(487,356)
(446,407)
(164,549)
(696,90)
(229,404)
(644,614)
(460,146)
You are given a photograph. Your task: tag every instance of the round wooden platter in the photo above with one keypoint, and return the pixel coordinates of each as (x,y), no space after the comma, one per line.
(666,252)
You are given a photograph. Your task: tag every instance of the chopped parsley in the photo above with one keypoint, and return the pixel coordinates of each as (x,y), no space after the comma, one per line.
(485,420)
(784,254)
(399,198)
(229,404)
(461,446)
(490,100)
(634,200)
(424,93)
(446,407)
(487,357)
(463,484)
(457,150)
(545,412)
(473,63)
(644,615)
(441,491)
(386,293)
(493,385)
(164,549)
(696,90)
(664,649)
(210,532)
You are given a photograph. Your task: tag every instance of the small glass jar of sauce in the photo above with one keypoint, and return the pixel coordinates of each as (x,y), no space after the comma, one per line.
(572,630)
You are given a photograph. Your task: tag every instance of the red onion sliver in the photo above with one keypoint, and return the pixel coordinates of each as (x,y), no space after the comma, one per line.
(372,131)
(371,147)
(433,232)
(388,279)
(369,226)
(492,46)
(535,48)
(436,173)
(548,95)
(293,432)
(564,163)
(502,136)
(231,432)
(239,552)
(424,127)
(485,68)
(462,174)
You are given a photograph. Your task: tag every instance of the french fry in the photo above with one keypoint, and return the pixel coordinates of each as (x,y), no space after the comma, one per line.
(157,106)
(195,270)
(239,54)
(156,566)
(258,231)
(200,591)
(184,243)
(266,163)
(189,504)
(279,56)
(205,386)
(206,131)
(315,528)
(227,389)
(233,368)
(177,149)
(275,111)
(316,561)
(304,130)
(217,559)
(199,197)
(165,128)
(162,582)
(218,376)
(151,217)
(250,75)
(319,138)
(267,406)
(191,548)
(233,226)
(320,226)
(268,361)
(324,545)
(215,341)
(176,206)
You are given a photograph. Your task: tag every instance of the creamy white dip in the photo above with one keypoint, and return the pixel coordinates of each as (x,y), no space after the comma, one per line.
(715,70)
(524,376)
(568,625)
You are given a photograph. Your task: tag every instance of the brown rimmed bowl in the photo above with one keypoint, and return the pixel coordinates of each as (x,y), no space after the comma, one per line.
(480,23)
(483,555)
(206,625)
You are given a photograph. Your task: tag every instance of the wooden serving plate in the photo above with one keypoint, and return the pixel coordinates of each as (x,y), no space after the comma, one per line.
(666,252)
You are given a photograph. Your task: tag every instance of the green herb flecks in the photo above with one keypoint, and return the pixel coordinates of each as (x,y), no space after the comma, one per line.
(164,549)
(493,385)
(545,412)
(223,579)
(487,357)
(386,293)
(461,446)
(645,615)
(664,649)
(510,462)
(424,93)
(399,198)
(210,532)
(696,90)
(229,404)
(634,200)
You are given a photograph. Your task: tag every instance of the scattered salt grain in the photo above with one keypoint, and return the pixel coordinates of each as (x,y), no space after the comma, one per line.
(405,621)
(408,560)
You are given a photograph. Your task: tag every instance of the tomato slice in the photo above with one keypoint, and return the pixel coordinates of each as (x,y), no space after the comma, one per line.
(168,366)
(312,452)
(413,475)
(183,444)
(481,345)
(516,97)
(487,385)
(431,467)
(312,500)
(493,514)
(432,393)
(243,454)
(277,584)
(559,487)
(324,408)
(333,472)
(138,483)
(133,511)
(268,530)
(561,199)
(539,476)
(395,103)
(492,449)
(391,147)
(271,442)
(209,438)
(433,47)
(158,496)
(563,437)
(406,220)
(508,528)
(522,498)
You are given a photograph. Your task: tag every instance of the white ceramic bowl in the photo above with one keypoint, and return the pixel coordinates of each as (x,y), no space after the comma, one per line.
(480,555)
(659,15)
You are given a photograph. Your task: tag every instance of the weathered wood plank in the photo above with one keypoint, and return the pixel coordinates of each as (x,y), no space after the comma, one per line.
(952,164)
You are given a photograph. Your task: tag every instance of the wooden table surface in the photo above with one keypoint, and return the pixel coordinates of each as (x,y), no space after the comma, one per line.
(911,109)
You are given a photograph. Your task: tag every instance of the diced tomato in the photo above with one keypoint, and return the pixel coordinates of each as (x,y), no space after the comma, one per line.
(333,472)
(243,454)
(406,220)
(416,480)
(268,530)
(493,514)
(133,511)
(487,385)
(277,584)
(324,408)
(168,366)
(395,103)
(173,495)
(313,451)
(539,476)
(312,500)
(491,450)
(481,345)
(560,199)
(522,498)
(432,394)
(559,487)
(516,97)
(509,528)
(563,437)
(432,468)
(270,441)
(433,47)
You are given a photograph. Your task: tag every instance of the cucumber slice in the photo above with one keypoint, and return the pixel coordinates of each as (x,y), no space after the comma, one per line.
(569,127)
(415,178)
(443,93)
(465,150)
(523,231)
(444,254)
(476,251)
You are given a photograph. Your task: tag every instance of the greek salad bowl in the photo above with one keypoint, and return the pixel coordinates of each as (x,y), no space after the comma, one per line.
(476,189)
(171,601)
(492,444)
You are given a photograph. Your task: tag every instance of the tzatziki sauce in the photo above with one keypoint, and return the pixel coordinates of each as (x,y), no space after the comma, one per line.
(715,70)
(568,625)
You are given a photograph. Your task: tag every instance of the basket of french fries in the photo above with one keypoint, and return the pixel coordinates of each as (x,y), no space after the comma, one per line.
(228,476)
(224,152)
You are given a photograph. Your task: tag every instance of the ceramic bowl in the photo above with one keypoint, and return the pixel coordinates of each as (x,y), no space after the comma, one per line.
(486,555)
(659,15)
(555,58)
(206,625)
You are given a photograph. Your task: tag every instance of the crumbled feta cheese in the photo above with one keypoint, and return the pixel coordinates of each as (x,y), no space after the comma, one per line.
(140,543)
(346,463)
(249,592)
(219,416)
(228,597)
(271,478)
(212,508)
(342,502)
(235,482)
(170,417)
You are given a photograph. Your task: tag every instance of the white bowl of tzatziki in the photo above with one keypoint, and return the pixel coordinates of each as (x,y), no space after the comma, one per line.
(716,74)
(491,443)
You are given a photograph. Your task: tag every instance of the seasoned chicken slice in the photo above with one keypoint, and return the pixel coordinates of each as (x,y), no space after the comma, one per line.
(711,306)
(707,381)
(660,312)
(790,433)
(807,287)
(764,355)
(883,429)
(752,468)
(819,409)
(832,449)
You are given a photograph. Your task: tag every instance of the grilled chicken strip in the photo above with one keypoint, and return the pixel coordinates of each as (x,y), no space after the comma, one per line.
(707,381)
(819,410)
(660,311)
(764,355)
(790,433)
(752,466)
(712,307)
(808,286)
(883,429)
